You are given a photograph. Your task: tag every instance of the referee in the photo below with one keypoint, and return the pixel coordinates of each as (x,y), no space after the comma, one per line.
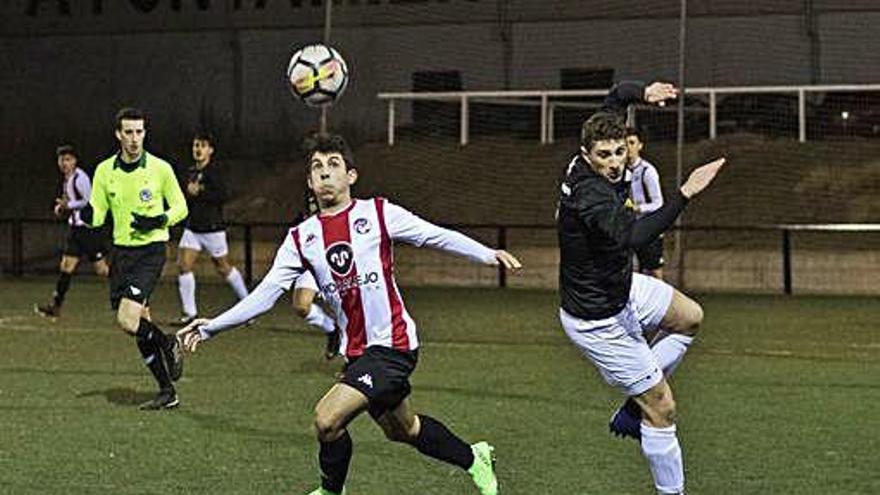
(134,187)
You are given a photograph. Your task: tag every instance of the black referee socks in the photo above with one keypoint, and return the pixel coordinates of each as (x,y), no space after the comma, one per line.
(150,341)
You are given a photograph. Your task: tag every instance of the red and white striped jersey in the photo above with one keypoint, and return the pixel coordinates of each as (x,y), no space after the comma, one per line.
(350,256)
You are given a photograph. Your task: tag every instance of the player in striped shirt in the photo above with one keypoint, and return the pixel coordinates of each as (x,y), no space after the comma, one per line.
(81,242)
(348,249)
(647,197)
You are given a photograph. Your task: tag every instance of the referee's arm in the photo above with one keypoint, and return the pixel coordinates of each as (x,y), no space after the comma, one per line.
(94,213)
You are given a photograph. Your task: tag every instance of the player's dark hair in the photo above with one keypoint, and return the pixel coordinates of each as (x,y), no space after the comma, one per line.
(66,149)
(129,113)
(327,143)
(637,132)
(206,137)
(602,126)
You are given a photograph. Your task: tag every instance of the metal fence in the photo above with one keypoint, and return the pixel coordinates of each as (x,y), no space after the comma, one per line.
(547,101)
(783,258)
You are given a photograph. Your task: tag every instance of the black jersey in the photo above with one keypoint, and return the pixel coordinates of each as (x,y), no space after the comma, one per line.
(593,224)
(206,208)
(598,230)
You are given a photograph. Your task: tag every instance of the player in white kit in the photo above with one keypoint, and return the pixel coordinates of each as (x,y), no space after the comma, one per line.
(348,249)
(81,242)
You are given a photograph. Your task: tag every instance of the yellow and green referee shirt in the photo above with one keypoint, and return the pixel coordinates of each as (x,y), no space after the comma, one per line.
(144,190)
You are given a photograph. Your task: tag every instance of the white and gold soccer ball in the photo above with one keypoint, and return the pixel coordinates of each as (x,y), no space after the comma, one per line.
(317,75)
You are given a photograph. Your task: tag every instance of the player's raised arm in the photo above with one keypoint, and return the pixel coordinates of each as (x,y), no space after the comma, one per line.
(404,226)
(626,93)
(286,268)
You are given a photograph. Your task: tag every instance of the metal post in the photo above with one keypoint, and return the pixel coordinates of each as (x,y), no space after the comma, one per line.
(17,248)
(551,123)
(328,18)
(544,119)
(464,120)
(786,262)
(682,45)
(802,115)
(248,257)
(502,244)
(713,116)
(391,123)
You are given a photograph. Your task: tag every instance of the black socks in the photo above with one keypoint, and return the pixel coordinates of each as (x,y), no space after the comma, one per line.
(150,341)
(435,440)
(334,458)
(61,288)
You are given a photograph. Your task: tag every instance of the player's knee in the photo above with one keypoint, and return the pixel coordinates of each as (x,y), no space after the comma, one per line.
(128,323)
(694,318)
(102,270)
(222,266)
(301,309)
(326,427)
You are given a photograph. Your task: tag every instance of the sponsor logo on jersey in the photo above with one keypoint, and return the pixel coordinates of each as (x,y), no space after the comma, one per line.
(362,226)
(146,195)
(366,379)
(352,282)
(340,257)
(310,239)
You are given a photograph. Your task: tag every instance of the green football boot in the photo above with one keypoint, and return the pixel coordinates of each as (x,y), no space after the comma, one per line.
(483,470)
(322,491)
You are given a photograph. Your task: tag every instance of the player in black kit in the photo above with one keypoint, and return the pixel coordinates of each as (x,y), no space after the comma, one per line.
(605,308)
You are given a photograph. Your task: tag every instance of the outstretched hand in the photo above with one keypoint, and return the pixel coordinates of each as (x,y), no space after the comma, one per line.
(190,336)
(659,92)
(508,260)
(701,177)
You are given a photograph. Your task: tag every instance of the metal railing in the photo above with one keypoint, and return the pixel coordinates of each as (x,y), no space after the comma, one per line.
(18,261)
(548,100)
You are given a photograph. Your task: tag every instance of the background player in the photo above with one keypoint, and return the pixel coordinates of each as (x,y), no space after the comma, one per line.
(647,196)
(134,186)
(348,249)
(306,293)
(205,227)
(81,242)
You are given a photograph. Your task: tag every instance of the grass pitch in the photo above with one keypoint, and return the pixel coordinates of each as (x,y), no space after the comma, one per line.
(779,396)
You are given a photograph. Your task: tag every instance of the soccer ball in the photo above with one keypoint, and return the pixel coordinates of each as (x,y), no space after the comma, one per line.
(317,75)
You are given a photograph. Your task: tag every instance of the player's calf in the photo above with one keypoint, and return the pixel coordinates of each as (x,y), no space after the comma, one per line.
(658,406)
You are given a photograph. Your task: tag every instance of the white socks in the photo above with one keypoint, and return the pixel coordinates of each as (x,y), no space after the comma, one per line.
(318,318)
(663,453)
(237,283)
(669,350)
(186,285)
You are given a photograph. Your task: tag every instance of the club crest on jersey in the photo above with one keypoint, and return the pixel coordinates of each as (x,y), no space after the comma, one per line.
(340,257)
(362,226)
(146,195)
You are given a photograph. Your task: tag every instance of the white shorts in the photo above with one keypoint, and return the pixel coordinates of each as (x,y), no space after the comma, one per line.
(213,242)
(616,345)
(306,281)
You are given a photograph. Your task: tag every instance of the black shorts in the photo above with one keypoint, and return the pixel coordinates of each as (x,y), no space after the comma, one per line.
(382,374)
(650,255)
(135,271)
(83,242)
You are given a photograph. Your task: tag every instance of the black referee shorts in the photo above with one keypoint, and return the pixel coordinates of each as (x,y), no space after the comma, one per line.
(83,242)
(650,256)
(135,271)
(382,374)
